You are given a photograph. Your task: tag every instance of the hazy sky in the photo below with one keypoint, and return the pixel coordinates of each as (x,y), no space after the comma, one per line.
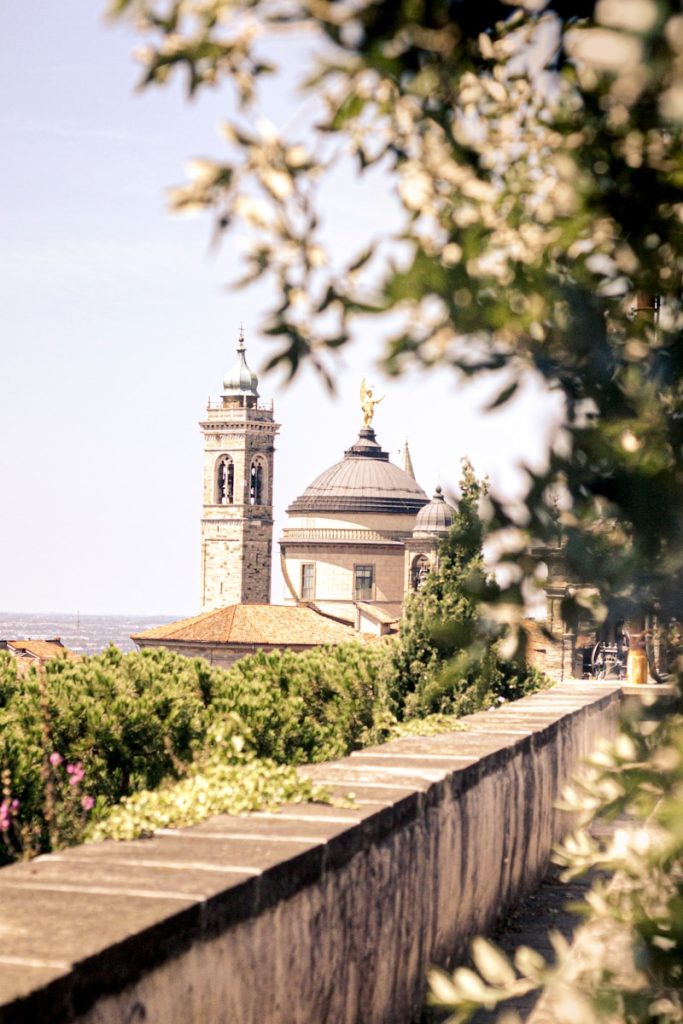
(116,325)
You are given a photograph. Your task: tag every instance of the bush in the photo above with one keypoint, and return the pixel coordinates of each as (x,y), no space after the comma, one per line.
(81,736)
(228,780)
(309,707)
(133,721)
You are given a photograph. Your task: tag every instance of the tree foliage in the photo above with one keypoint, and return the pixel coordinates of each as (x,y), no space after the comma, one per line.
(537,161)
(447,656)
(446,598)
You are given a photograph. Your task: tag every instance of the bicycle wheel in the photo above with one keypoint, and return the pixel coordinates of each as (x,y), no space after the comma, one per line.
(598,661)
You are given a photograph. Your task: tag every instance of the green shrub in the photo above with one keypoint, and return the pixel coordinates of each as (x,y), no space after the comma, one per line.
(228,779)
(134,721)
(307,707)
(130,724)
(472,680)
(253,784)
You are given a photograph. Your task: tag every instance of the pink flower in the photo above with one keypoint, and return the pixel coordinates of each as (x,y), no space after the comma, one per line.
(76,772)
(14,806)
(55,759)
(87,803)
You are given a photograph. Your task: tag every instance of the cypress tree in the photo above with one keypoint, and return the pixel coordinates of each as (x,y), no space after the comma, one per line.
(442,618)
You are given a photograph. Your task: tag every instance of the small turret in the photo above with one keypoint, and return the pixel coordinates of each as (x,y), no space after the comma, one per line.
(436,517)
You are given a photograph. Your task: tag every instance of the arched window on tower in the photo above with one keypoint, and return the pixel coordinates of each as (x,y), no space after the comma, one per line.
(256,483)
(419,571)
(225,481)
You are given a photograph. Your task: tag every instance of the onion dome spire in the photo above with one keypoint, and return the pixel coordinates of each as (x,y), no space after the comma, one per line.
(239,380)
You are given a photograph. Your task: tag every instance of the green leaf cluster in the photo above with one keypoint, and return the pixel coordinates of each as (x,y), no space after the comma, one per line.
(216,787)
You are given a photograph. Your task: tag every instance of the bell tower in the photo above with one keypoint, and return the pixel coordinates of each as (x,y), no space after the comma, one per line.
(237,519)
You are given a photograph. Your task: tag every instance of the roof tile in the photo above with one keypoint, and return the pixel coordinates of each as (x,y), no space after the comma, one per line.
(267,624)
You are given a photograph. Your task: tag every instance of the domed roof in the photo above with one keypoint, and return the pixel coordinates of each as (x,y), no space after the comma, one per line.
(434,517)
(239,380)
(364,481)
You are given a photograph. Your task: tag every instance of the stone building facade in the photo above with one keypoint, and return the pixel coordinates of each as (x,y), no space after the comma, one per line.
(237,520)
(360,538)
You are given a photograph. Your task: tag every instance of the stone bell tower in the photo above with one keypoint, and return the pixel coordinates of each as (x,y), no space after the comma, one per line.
(237,520)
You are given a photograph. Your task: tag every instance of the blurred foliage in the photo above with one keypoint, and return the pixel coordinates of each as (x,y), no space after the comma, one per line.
(535,152)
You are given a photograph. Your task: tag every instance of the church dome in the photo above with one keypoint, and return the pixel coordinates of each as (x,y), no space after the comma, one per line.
(364,481)
(434,517)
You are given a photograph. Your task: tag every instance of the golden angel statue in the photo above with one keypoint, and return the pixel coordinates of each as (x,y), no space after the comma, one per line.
(368,402)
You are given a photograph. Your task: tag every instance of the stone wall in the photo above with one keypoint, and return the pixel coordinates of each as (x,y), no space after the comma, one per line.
(318,914)
(236,557)
(550,652)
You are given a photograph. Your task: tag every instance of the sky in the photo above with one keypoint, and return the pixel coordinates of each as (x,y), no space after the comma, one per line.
(117,323)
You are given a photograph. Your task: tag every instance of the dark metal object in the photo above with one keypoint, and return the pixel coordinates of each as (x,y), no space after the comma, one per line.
(608,661)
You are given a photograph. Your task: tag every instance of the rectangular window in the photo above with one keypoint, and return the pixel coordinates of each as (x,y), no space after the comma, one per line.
(308,581)
(364,582)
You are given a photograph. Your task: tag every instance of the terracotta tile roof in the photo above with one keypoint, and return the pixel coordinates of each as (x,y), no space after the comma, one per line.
(38,649)
(263,624)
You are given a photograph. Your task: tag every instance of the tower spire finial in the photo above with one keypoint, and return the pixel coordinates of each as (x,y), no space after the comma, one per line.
(406,461)
(240,380)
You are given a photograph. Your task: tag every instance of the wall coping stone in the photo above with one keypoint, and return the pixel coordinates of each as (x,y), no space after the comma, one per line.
(94,919)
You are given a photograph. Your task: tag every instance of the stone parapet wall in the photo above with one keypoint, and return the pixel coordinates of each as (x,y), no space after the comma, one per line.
(316,915)
(550,652)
